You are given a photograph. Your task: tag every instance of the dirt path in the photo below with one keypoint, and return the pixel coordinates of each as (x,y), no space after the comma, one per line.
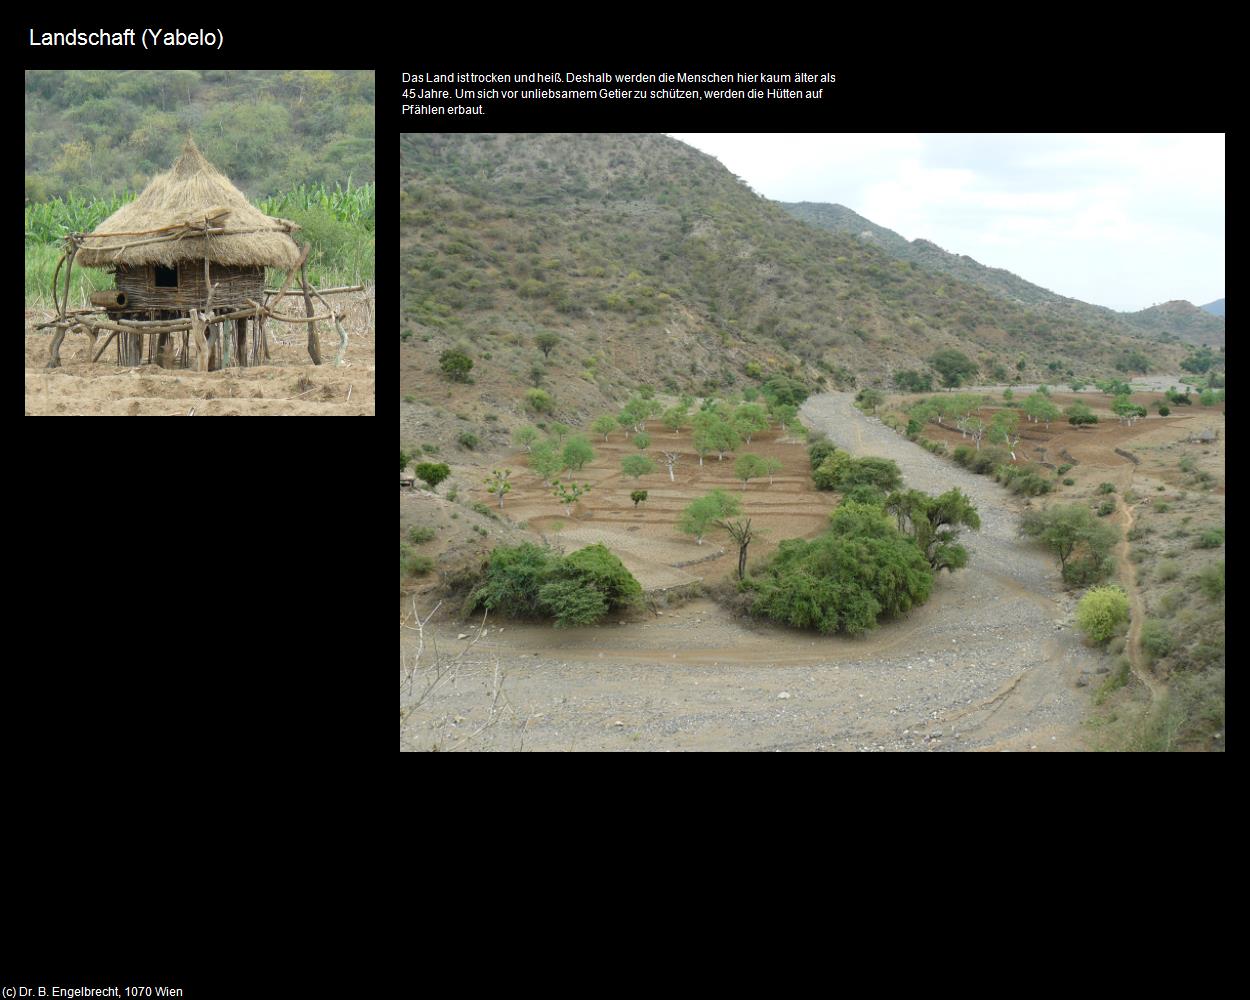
(987,664)
(1128,573)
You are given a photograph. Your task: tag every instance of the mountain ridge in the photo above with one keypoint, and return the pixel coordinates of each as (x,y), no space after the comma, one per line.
(1004,283)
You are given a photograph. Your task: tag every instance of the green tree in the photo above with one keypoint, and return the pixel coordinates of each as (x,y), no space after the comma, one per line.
(525,437)
(1199,361)
(749,419)
(569,493)
(1072,532)
(455,365)
(1101,612)
(498,485)
(577,452)
(642,441)
(954,366)
(634,415)
(1004,429)
(433,473)
(771,467)
(933,523)
(546,460)
(1038,408)
(637,465)
(675,418)
(1132,361)
(604,425)
(546,342)
(701,514)
(749,467)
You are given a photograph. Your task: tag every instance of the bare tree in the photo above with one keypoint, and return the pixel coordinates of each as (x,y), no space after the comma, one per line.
(671,458)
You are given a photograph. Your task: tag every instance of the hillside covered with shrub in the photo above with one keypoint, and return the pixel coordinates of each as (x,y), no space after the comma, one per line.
(648,262)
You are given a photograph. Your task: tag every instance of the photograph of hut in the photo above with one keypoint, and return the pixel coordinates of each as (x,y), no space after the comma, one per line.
(195,226)
(188,256)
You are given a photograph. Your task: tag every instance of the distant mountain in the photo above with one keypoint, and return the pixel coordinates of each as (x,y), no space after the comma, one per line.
(995,280)
(1216,308)
(1181,321)
(1167,323)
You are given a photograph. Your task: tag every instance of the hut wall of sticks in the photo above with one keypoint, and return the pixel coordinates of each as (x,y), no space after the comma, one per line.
(188,257)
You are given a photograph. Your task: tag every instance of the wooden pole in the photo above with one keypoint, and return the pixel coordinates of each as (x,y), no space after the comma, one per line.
(314,346)
(54,355)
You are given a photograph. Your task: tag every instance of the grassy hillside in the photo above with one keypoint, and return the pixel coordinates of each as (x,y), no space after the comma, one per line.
(1180,321)
(652,263)
(93,133)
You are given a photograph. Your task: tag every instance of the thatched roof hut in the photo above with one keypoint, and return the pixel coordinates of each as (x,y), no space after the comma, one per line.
(187,194)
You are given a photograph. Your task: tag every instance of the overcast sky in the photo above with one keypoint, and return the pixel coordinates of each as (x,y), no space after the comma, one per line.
(1120,220)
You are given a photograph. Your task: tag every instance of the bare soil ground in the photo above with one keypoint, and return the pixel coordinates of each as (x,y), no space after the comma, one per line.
(646,537)
(80,388)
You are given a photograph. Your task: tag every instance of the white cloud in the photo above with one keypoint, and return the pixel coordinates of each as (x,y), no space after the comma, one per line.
(1124,220)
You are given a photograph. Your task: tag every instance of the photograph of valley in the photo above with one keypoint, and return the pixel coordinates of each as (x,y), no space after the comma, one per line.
(728,442)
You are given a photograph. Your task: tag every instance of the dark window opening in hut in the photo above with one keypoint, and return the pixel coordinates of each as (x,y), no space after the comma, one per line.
(166,277)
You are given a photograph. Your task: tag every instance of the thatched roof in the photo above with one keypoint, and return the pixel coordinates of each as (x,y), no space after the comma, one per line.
(193,190)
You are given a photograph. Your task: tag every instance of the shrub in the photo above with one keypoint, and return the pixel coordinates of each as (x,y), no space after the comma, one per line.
(418,565)
(526,581)
(1069,482)
(404,459)
(540,401)
(1156,639)
(864,493)
(818,451)
(1212,538)
(1106,507)
(1063,470)
(859,570)
(433,473)
(1211,581)
(1082,544)
(1167,570)
(455,365)
(467,439)
(1079,414)
(572,603)
(1163,408)
(419,536)
(638,496)
(1106,487)
(1101,612)
(513,578)
(829,474)
(879,472)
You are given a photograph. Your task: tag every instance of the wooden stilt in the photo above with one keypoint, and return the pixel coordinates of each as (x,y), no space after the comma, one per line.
(314,346)
(54,355)
(104,347)
(240,326)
